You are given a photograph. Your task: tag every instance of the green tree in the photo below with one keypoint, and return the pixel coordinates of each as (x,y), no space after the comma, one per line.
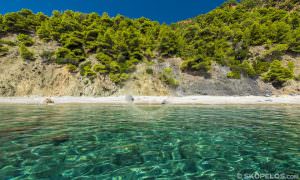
(25,53)
(3,50)
(278,74)
(25,39)
(168,44)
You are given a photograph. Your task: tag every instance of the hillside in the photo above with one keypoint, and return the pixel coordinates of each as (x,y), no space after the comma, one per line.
(229,51)
(290,5)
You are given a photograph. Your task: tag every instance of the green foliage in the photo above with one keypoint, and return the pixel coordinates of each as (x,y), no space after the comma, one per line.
(25,39)
(86,69)
(294,45)
(230,3)
(100,68)
(149,70)
(222,36)
(297,78)
(278,74)
(47,56)
(23,21)
(276,51)
(248,69)
(197,64)
(3,50)
(6,42)
(44,32)
(71,68)
(2,27)
(225,35)
(103,58)
(25,53)
(118,77)
(261,67)
(73,43)
(66,56)
(234,75)
(168,42)
(167,76)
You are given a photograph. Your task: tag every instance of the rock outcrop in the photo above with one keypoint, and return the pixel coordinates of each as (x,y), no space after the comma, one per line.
(40,78)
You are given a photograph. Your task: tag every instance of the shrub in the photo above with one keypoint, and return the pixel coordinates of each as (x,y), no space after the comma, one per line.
(278,74)
(91,35)
(149,70)
(118,77)
(100,68)
(149,53)
(129,66)
(3,50)
(261,67)
(71,68)
(248,69)
(25,53)
(168,77)
(234,75)
(276,51)
(73,43)
(66,56)
(297,78)
(91,46)
(167,42)
(25,39)
(114,67)
(44,33)
(86,69)
(103,58)
(197,64)
(47,56)
(9,43)
(137,55)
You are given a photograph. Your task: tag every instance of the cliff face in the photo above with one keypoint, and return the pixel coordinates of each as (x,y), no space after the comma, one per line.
(24,78)
(38,78)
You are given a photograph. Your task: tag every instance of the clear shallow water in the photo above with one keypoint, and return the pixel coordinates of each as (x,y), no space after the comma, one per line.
(101,142)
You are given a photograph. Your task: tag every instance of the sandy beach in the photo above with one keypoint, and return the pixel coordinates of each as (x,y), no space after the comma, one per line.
(187,100)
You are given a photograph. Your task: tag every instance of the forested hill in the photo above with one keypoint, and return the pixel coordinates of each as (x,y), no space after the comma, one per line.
(255,39)
(281,4)
(227,34)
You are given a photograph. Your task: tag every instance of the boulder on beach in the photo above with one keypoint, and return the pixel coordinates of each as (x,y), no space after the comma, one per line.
(48,101)
(164,102)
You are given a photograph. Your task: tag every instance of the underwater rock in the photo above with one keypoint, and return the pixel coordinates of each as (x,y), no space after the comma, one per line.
(190,166)
(188,151)
(128,158)
(60,139)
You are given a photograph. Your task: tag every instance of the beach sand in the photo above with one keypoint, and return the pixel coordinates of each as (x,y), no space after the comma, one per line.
(187,100)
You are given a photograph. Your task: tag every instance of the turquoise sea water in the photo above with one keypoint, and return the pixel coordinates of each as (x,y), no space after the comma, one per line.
(128,142)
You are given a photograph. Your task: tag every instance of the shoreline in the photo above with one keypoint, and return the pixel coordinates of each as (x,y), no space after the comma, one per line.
(156,100)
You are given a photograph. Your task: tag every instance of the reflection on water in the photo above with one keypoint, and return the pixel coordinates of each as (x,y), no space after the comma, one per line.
(100,142)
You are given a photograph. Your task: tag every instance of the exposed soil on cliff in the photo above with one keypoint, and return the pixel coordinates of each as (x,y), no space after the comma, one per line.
(39,78)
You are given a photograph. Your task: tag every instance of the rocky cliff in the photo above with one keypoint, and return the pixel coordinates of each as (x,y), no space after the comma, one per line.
(39,78)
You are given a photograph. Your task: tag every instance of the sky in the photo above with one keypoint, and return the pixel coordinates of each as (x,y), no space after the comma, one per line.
(164,11)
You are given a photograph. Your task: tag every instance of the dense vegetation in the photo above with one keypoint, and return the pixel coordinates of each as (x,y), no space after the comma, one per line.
(223,36)
(226,34)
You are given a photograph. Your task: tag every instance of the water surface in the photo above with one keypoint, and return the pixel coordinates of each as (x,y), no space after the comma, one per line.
(180,142)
